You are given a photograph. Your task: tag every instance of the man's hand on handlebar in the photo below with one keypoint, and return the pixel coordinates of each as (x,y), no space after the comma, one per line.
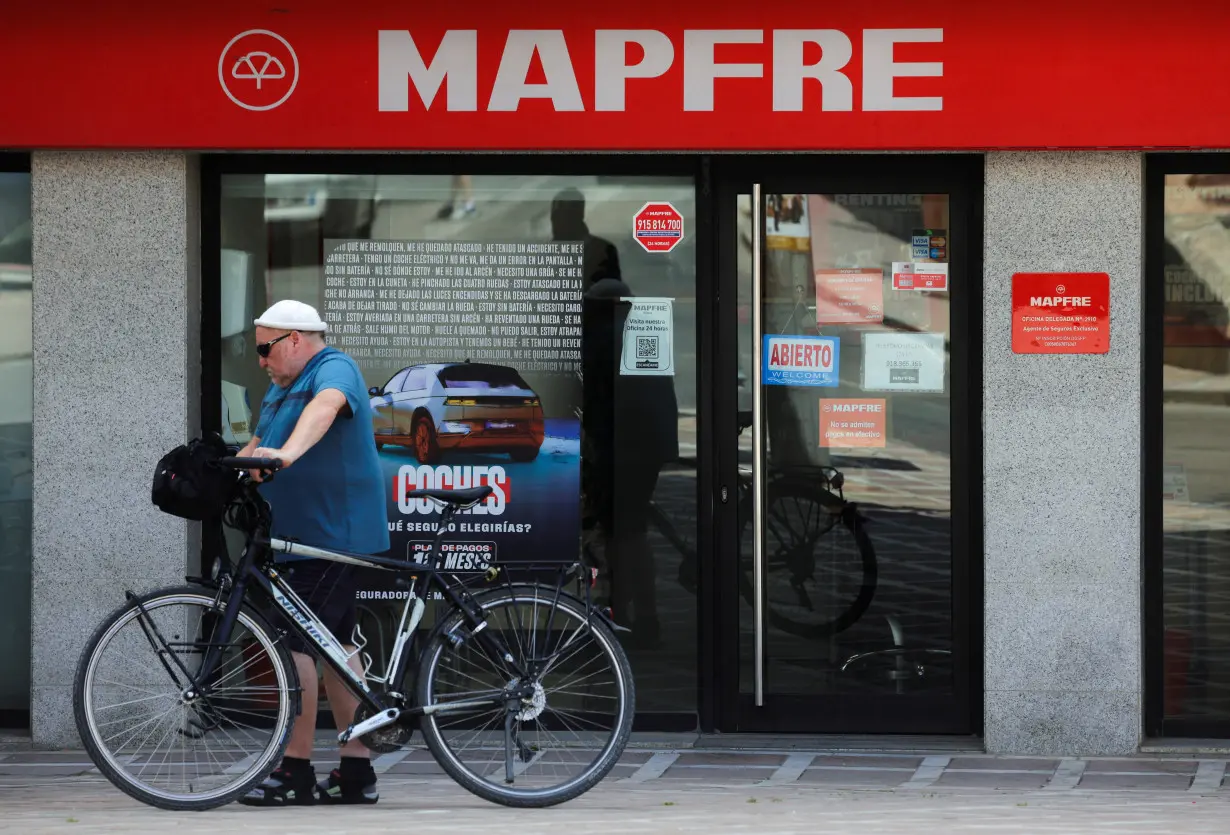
(284,456)
(257,465)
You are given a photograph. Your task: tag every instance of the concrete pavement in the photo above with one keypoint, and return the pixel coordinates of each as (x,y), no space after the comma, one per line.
(692,790)
(435,805)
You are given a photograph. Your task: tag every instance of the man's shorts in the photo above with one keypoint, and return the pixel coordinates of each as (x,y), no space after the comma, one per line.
(328,588)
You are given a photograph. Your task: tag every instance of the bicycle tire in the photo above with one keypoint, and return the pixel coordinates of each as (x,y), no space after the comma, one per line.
(283,670)
(443,754)
(852,522)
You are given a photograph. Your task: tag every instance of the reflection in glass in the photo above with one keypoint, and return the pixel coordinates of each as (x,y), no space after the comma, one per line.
(1196,448)
(16,403)
(844,614)
(637,434)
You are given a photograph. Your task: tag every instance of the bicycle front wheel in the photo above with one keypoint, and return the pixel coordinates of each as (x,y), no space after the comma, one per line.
(158,732)
(545,749)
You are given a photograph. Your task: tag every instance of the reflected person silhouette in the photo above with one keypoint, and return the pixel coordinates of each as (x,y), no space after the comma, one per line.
(601,258)
(632,427)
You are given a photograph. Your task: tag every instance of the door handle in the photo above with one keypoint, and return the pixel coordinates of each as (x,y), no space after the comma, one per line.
(757,447)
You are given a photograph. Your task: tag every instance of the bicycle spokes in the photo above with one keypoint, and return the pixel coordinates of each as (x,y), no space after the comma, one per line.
(165,731)
(545,731)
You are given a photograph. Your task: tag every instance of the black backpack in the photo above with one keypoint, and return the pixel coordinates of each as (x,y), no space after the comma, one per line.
(192,483)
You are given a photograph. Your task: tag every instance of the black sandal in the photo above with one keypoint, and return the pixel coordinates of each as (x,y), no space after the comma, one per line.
(283,788)
(333,789)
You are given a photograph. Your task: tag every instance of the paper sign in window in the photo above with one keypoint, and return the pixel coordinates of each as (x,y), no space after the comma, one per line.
(903,362)
(853,423)
(649,337)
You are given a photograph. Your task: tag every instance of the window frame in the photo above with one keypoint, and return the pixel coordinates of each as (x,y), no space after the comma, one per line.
(625,167)
(13,162)
(1156,168)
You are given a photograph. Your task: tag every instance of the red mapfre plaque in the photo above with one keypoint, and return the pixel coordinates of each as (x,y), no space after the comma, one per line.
(1060,313)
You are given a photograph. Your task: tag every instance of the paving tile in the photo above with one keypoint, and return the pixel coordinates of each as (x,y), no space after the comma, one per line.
(47,757)
(42,771)
(1167,766)
(907,763)
(982,779)
(716,774)
(732,759)
(1004,763)
(839,777)
(409,767)
(1173,782)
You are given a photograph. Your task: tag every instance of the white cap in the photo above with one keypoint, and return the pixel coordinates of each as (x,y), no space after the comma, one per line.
(290,315)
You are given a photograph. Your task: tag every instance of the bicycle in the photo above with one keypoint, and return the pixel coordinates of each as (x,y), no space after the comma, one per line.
(232,681)
(803,505)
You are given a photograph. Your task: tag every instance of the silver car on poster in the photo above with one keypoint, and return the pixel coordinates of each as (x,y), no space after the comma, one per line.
(466,407)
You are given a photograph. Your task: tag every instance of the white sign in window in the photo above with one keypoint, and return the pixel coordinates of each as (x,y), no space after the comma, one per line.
(649,331)
(903,362)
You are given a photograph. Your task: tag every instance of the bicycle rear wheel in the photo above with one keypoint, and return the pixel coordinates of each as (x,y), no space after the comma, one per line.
(564,739)
(820,566)
(164,747)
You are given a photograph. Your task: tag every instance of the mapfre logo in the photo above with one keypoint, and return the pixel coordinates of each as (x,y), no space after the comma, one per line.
(450,69)
(873,408)
(425,476)
(1061,300)
(258,69)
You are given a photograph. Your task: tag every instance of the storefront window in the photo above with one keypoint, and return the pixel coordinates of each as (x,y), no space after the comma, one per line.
(848,618)
(16,402)
(513,331)
(1196,449)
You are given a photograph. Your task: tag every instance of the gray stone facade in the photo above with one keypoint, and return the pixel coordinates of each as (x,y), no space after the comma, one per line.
(1062,466)
(116,374)
(116,382)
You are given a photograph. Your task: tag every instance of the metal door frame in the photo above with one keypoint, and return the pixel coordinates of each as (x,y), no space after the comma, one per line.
(960,176)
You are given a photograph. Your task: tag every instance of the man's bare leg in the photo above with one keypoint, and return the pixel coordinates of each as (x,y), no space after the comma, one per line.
(303,734)
(355,781)
(296,783)
(344,704)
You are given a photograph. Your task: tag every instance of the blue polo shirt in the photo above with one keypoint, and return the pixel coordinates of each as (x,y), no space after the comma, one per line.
(332,497)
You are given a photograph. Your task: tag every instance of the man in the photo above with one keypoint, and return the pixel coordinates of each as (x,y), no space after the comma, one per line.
(316,417)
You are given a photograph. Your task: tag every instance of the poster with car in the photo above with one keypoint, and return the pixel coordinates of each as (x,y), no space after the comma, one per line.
(472,351)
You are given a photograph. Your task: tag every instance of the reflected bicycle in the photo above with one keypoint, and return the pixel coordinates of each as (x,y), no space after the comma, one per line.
(820,566)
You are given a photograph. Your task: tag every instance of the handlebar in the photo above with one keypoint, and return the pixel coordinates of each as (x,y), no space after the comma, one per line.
(268,464)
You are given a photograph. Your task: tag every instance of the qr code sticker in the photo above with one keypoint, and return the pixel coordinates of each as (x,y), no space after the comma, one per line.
(646,347)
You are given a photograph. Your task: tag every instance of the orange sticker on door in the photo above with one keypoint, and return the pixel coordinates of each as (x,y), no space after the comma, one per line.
(852,423)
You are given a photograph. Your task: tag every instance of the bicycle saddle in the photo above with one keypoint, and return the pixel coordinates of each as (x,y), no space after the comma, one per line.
(461,498)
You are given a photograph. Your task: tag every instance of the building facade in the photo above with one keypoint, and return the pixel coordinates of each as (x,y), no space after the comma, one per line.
(875,357)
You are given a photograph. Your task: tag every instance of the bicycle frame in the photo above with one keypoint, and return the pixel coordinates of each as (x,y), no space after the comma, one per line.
(257,567)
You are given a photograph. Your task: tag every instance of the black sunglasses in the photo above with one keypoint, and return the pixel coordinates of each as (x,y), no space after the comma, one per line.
(264,348)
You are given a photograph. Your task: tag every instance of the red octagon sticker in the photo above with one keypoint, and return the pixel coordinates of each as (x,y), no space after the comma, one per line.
(658,227)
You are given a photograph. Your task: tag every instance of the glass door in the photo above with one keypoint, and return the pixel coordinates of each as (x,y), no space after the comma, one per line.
(849,594)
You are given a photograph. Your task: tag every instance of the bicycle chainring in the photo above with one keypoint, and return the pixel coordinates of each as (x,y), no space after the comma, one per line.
(384,740)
